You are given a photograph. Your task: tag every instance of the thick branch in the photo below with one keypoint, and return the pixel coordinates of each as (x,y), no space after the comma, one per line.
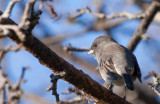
(150,13)
(63,68)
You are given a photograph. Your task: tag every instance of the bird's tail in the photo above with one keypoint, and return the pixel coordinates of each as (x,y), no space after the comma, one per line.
(128,81)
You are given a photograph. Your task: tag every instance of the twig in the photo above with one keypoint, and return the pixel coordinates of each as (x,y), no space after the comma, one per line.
(54,79)
(33,20)
(25,14)
(14,91)
(41,4)
(73,90)
(52,12)
(150,13)
(155,84)
(127,15)
(21,80)
(7,12)
(34,17)
(75,100)
(71,49)
(7,49)
(2,92)
(153,74)
(3,81)
(155,90)
(103,16)
(79,98)
(82,11)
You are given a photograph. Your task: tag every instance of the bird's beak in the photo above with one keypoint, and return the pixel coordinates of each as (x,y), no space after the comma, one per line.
(90,52)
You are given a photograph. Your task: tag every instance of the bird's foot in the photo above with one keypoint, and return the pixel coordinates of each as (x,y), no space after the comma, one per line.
(124,98)
(110,90)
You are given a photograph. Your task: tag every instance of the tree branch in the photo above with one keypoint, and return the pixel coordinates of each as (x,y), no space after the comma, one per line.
(54,80)
(63,68)
(150,13)
(103,16)
(71,49)
(59,66)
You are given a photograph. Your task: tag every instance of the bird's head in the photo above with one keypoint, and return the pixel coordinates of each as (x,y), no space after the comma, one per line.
(99,44)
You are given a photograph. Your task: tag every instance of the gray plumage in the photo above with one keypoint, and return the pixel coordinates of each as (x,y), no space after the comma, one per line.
(117,65)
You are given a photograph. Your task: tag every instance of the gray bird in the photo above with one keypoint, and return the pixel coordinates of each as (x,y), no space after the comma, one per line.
(117,65)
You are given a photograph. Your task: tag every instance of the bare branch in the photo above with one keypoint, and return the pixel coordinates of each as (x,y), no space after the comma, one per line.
(41,4)
(52,12)
(26,13)
(73,90)
(33,20)
(75,100)
(103,16)
(155,83)
(81,96)
(21,80)
(54,79)
(3,81)
(155,90)
(7,49)
(151,74)
(127,15)
(150,13)
(7,12)
(71,49)
(14,92)
(61,67)
(2,92)
(82,11)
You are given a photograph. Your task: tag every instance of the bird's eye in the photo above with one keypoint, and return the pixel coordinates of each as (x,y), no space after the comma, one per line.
(95,45)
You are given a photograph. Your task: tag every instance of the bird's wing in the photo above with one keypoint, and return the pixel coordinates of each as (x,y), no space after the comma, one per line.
(109,68)
(124,65)
(132,59)
(137,71)
(120,63)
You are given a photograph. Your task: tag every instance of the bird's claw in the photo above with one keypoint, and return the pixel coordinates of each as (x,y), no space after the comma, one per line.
(124,98)
(110,90)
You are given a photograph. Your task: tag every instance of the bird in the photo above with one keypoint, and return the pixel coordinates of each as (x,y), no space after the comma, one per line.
(117,65)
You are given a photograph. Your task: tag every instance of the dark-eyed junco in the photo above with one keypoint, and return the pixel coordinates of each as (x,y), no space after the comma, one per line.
(117,65)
